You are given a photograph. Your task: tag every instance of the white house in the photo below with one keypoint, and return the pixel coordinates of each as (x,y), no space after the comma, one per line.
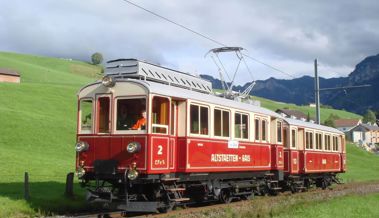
(346,125)
(364,134)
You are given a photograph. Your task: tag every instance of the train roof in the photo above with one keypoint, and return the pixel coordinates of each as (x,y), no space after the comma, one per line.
(301,123)
(133,68)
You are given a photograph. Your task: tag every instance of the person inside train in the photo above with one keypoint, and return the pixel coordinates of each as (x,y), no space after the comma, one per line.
(124,121)
(141,122)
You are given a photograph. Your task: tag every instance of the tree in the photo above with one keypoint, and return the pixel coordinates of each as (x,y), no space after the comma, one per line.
(369,116)
(97,58)
(330,121)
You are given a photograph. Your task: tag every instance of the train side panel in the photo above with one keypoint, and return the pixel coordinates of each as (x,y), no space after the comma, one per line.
(205,155)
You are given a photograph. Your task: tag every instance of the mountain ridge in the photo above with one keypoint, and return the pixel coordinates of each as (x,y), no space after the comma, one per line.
(301,90)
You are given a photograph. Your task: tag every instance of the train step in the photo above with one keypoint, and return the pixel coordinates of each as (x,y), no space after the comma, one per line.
(273,181)
(298,182)
(269,174)
(300,187)
(175,189)
(170,179)
(180,199)
(276,188)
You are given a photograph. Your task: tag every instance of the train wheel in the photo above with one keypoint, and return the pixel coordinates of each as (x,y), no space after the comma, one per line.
(225,196)
(248,197)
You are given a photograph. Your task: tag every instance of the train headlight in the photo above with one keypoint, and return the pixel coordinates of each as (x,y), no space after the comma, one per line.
(80,172)
(108,81)
(132,174)
(81,146)
(133,147)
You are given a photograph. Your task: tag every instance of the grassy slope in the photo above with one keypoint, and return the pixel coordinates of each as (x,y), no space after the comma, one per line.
(361,165)
(38,128)
(324,112)
(38,133)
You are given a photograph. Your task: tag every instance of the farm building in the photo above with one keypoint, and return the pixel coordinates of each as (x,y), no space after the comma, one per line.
(345,125)
(7,75)
(294,114)
(364,134)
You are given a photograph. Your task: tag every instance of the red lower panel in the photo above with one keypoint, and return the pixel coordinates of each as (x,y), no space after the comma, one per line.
(315,162)
(114,147)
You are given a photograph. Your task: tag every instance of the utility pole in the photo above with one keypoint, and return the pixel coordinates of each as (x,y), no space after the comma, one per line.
(317,94)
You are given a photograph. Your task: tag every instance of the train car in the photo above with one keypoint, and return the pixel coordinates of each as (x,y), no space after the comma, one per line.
(150,138)
(314,154)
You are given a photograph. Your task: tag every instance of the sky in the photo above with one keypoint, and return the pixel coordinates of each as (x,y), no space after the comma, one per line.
(287,35)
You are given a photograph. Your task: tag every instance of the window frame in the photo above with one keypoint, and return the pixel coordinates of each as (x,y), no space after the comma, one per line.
(168,127)
(296,138)
(247,123)
(336,146)
(281,132)
(222,122)
(311,145)
(259,132)
(79,131)
(97,111)
(189,119)
(321,142)
(267,130)
(114,125)
(327,138)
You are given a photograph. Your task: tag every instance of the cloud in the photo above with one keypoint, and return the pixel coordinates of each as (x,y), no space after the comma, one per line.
(285,34)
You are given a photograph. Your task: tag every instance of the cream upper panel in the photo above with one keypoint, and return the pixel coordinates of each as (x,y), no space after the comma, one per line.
(127,88)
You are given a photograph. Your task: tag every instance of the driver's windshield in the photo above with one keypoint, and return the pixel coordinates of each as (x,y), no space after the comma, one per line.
(131,114)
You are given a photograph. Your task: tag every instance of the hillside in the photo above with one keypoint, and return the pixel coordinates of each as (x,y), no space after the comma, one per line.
(38,127)
(38,134)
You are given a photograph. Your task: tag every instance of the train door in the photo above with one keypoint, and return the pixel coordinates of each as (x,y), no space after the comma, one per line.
(160,137)
(101,145)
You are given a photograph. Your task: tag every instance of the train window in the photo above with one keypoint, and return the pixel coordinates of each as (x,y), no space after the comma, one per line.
(204,121)
(225,123)
(264,130)
(318,141)
(293,138)
(130,114)
(309,140)
(335,143)
(257,129)
(86,116)
(221,123)
(199,120)
(103,114)
(279,131)
(327,142)
(160,115)
(240,126)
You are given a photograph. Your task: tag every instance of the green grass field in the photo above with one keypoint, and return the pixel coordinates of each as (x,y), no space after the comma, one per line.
(347,206)
(37,135)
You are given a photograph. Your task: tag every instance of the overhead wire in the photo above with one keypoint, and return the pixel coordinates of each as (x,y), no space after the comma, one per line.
(203,36)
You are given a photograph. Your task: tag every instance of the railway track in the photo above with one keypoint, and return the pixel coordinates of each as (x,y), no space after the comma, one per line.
(287,198)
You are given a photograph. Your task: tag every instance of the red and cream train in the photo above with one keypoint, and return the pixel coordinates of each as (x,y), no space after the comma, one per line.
(194,146)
